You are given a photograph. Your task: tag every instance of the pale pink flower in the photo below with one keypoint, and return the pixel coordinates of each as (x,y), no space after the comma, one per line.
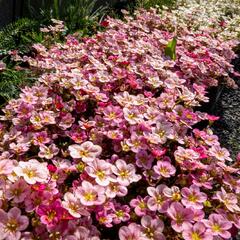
(19,148)
(48,117)
(116,189)
(164,169)
(152,228)
(81,233)
(219,153)
(73,205)
(196,232)
(131,232)
(12,223)
(192,197)
(132,116)
(101,171)
(90,195)
(172,193)
(125,172)
(182,154)
(218,226)
(32,171)
(48,152)
(179,216)
(87,151)
(6,167)
(161,132)
(229,200)
(157,200)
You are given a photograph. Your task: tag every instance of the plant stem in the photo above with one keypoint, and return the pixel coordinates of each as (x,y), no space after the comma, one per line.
(56,9)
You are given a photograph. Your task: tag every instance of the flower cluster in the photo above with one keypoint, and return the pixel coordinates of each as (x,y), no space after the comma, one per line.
(220,18)
(109,142)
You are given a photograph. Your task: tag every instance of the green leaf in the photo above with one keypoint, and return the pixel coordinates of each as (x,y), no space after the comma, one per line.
(170,49)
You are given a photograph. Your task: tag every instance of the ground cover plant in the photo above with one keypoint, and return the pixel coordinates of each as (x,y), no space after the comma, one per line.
(108,143)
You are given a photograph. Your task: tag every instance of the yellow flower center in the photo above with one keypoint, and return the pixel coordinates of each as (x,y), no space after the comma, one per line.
(83,153)
(192,198)
(12,225)
(124,174)
(216,228)
(195,236)
(30,173)
(100,174)
(89,196)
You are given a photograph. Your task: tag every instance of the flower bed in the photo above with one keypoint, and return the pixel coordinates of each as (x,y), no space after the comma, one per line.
(108,142)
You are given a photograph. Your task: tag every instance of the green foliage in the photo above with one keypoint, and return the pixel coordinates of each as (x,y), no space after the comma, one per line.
(170,49)
(19,35)
(78,15)
(11,81)
(152,3)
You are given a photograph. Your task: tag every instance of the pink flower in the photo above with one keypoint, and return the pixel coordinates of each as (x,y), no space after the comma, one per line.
(87,151)
(120,213)
(196,232)
(32,171)
(48,152)
(73,205)
(179,216)
(132,116)
(152,228)
(90,195)
(101,171)
(172,193)
(157,201)
(6,167)
(116,189)
(66,121)
(219,153)
(50,214)
(218,226)
(140,205)
(131,232)
(17,191)
(164,169)
(12,223)
(144,159)
(41,138)
(125,172)
(2,66)
(192,197)
(229,200)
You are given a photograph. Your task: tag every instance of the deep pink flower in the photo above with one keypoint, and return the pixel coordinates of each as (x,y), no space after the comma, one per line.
(50,214)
